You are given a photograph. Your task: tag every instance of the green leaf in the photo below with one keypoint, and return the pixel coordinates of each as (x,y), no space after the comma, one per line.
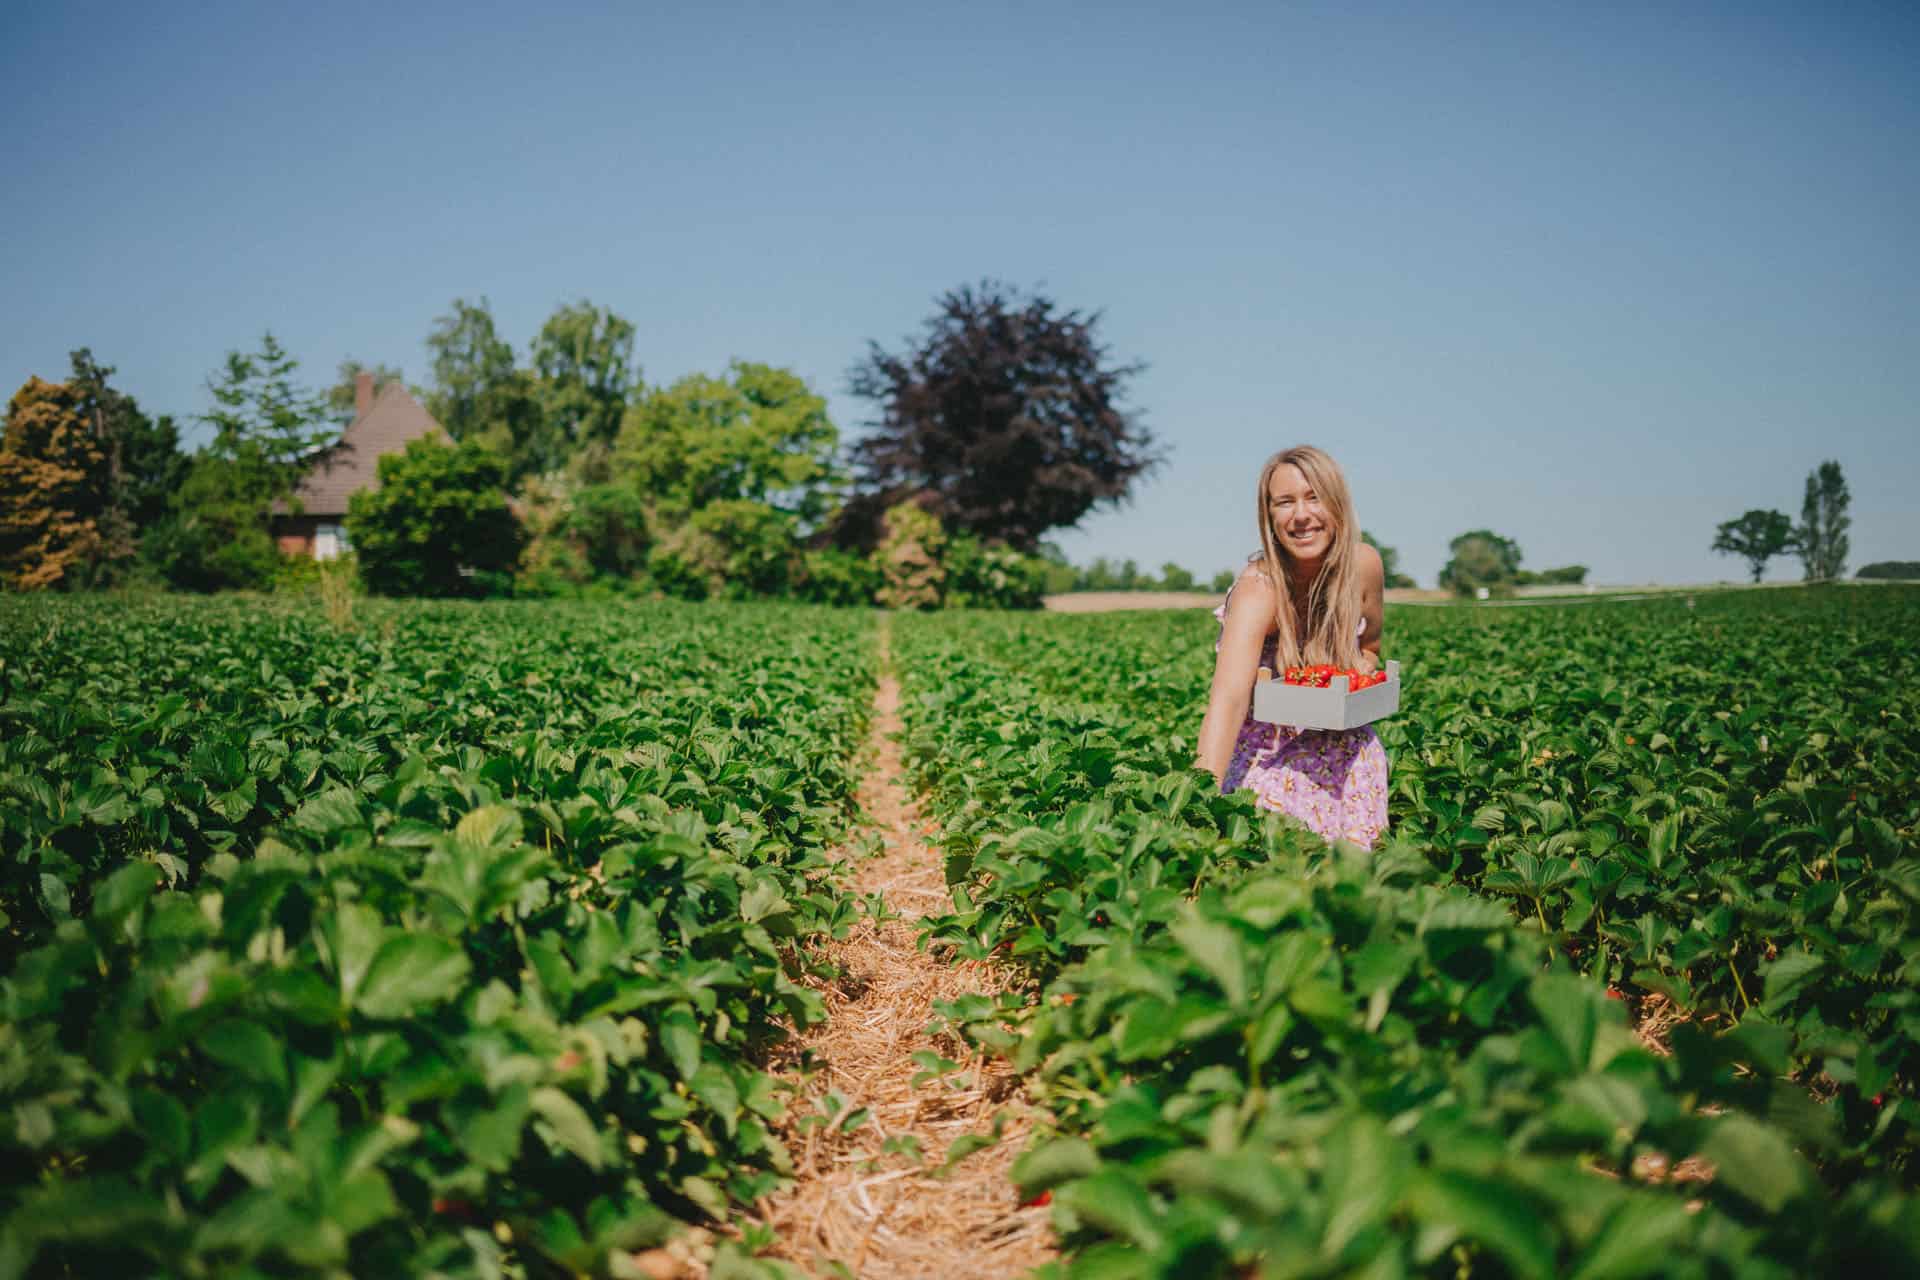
(680,1037)
(328,812)
(248,1048)
(1640,1238)
(571,1127)
(1487,1213)
(1216,948)
(1756,1162)
(493,826)
(410,972)
(1053,1162)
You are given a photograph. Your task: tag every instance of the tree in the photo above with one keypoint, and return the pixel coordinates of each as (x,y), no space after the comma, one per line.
(1389,560)
(145,464)
(1481,558)
(1174,578)
(478,393)
(343,397)
(438,525)
(1891,570)
(1822,536)
(265,426)
(470,364)
(1758,536)
(758,434)
(583,356)
(54,487)
(263,417)
(1222,581)
(1004,420)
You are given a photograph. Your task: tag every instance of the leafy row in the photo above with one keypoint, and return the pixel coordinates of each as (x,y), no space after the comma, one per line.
(1713,801)
(1265,1054)
(472,983)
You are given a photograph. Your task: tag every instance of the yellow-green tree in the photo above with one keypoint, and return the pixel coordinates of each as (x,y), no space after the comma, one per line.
(54,487)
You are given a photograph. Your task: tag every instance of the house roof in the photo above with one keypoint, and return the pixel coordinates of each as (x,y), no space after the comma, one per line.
(392,422)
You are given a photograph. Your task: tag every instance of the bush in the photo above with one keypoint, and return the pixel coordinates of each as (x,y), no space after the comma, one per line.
(832,576)
(910,556)
(1891,569)
(609,522)
(686,564)
(755,546)
(438,525)
(983,577)
(215,536)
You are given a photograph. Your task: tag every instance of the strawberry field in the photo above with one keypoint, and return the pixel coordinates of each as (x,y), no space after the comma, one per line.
(1262,1054)
(440,946)
(453,942)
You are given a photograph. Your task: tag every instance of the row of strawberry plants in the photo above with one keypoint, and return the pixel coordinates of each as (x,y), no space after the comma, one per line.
(1267,1055)
(1713,800)
(443,946)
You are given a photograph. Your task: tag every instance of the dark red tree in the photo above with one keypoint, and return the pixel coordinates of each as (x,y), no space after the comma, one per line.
(1005,420)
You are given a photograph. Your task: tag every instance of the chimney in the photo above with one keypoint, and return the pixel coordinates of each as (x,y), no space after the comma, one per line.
(362,393)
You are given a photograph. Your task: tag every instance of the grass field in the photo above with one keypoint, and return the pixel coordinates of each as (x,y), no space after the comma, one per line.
(454,941)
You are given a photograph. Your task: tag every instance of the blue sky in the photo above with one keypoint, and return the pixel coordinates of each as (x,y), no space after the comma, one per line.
(1595,276)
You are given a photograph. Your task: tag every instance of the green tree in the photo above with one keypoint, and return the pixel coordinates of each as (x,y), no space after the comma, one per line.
(54,488)
(343,396)
(583,357)
(1757,537)
(1222,581)
(1822,537)
(438,525)
(214,536)
(1891,570)
(266,425)
(145,464)
(1174,578)
(1480,558)
(1389,560)
(471,362)
(263,417)
(478,394)
(758,434)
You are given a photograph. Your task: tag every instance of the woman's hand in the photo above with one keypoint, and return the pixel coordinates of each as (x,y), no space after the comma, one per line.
(1249,620)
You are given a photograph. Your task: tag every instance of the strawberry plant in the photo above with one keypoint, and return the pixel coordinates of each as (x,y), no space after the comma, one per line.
(1264,1053)
(440,947)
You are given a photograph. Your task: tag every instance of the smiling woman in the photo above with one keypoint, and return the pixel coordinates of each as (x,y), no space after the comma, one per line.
(1313,594)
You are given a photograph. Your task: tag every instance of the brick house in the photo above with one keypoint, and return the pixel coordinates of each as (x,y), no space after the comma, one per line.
(383,423)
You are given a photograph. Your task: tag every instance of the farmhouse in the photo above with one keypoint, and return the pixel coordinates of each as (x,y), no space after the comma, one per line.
(313,522)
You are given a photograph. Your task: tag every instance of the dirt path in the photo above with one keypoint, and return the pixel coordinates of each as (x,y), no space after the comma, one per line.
(863,1198)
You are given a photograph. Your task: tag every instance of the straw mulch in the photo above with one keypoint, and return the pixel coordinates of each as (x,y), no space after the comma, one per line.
(864,1199)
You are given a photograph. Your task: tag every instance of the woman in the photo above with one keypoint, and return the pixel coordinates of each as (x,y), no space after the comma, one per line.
(1312,595)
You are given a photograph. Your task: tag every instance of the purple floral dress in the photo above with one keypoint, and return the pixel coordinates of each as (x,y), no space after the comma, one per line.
(1334,780)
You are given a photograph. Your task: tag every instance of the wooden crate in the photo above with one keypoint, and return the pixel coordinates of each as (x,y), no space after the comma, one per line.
(1334,707)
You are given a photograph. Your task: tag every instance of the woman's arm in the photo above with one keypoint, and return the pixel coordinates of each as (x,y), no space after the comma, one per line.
(1373,596)
(1248,623)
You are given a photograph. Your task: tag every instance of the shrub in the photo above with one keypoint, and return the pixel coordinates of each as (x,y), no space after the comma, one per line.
(910,558)
(755,546)
(832,576)
(609,522)
(1891,569)
(986,577)
(438,525)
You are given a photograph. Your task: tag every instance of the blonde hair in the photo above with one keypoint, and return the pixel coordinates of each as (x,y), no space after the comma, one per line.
(1333,597)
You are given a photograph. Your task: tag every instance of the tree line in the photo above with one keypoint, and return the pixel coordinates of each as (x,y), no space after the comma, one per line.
(1003,419)
(1819,539)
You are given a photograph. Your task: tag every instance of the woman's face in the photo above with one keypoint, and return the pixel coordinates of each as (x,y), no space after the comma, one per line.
(1301,526)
